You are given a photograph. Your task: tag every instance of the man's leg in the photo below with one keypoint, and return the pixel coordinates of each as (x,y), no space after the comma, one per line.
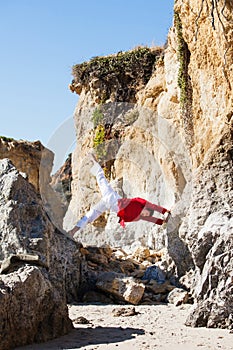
(104,186)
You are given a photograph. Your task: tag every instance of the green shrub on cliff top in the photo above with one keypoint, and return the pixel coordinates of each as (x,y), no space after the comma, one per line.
(140,61)
(7,139)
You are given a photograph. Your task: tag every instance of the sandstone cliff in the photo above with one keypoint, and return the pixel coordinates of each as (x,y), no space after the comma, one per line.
(26,156)
(161,126)
(35,162)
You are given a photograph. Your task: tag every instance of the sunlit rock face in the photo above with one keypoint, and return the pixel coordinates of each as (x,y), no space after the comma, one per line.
(148,158)
(174,148)
(26,156)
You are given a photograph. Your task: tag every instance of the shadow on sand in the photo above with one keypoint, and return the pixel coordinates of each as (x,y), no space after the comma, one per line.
(80,337)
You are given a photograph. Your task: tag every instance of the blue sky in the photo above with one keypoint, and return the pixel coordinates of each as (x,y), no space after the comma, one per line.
(42,39)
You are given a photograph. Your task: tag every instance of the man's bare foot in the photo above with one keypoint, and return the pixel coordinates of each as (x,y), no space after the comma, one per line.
(167,217)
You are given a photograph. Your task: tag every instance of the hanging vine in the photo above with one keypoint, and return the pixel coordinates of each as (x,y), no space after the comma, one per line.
(184,81)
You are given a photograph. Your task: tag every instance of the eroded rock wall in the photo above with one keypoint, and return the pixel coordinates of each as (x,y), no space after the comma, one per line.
(149,158)
(208,226)
(39,266)
(207,30)
(35,162)
(26,156)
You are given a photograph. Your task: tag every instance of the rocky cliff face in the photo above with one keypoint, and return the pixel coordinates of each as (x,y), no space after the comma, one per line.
(37,276)
(35,163)
(208,227)
(167,138)
(26,156)
(61,182)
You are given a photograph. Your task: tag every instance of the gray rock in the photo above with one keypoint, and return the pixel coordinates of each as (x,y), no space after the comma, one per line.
(123,288)
(14,261)
(158,288)
(178,296)
(39,265)
(32,308)
(154,273)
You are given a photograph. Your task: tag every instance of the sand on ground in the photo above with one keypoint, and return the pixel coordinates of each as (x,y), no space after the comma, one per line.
(153,327)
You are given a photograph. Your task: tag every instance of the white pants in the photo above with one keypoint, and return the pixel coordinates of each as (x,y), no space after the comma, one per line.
(109,199)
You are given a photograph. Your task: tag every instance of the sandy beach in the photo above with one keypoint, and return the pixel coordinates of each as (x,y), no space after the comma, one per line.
(149,327)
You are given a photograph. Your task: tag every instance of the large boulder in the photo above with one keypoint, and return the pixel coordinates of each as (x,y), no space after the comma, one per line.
(39,266)
(124,288)
(32,308)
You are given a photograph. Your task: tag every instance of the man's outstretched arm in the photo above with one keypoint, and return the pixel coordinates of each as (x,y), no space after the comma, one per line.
(90,216)
(81,223)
